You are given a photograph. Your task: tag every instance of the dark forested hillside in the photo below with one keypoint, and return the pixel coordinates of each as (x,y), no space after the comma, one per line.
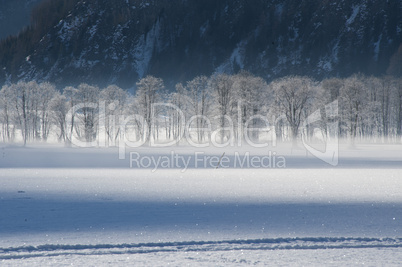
(103,42)
(14,16)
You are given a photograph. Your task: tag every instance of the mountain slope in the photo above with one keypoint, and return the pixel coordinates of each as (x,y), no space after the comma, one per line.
(103,42)
(14,15)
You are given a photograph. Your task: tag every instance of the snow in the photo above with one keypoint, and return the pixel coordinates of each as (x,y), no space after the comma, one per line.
(325,64)
(143,50)
(67,28)
(144,4)
(92,31)
(204,28)
(353,16)
(279,10)
(62,206)
(377,48)
(237,57)
(295,34)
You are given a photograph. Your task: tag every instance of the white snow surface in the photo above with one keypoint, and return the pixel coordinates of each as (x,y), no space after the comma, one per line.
(74,206)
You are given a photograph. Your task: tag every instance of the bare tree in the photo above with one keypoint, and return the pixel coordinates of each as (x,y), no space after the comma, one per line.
(7,113)
(137,127)
(26,108)
(371,118)
(148,93)
(45,93)
(251,96)
(30,104)
(385,89)
(397,96)
(353,96)
(224,95)
(198,94)
(115,100)
(332,88)
(293,96)
(330,92)
(173,120)
(58,107)
(88,96)
(71,95)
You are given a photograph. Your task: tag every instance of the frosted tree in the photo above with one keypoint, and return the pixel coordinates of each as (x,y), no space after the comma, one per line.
(332,88)
(223,93)
(32,98)
(115,101)
(199,99)
(371,118)
(294,96)
(44,95)
(377,110)
(7,112)
(330,92)
(71,95)
(29,102)
(136,127)
(58,108)
(88,96)
(353,98)
(385,91)
(173,120)
(26,108)
(251,97)
(149,90)
(397,103)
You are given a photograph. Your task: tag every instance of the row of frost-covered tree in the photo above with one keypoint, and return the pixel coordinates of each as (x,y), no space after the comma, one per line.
(223,107)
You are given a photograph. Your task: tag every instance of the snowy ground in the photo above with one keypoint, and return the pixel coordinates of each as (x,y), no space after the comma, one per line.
(62,206)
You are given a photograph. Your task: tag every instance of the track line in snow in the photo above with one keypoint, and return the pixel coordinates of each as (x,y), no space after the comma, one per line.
(314,243)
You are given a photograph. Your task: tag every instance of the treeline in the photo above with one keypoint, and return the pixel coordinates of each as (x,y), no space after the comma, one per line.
(222,107)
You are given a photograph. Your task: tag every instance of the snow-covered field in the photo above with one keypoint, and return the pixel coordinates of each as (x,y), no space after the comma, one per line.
(63,206)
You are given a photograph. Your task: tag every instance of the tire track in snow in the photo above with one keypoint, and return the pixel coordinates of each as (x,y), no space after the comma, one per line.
(313,243)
